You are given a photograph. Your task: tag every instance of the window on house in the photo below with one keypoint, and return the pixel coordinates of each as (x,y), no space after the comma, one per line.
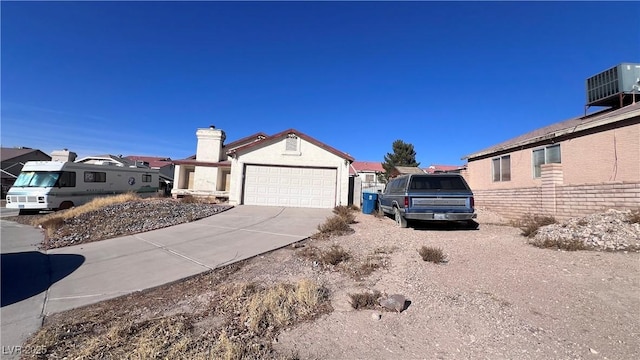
(146,178)
(95,176)
(368,178)
(546,155)
(501,168)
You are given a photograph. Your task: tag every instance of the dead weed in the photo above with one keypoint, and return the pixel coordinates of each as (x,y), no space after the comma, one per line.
(365,300)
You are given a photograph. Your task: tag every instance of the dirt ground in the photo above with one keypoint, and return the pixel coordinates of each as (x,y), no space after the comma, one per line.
(496,297)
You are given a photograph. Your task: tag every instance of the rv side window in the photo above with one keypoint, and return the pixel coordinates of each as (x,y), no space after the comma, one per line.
(146,178)
(67,179)
(94,176)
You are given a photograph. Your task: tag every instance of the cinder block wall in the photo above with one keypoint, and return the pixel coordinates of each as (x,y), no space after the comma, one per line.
(570,200)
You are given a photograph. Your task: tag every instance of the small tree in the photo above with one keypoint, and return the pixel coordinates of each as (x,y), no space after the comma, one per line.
(403,155)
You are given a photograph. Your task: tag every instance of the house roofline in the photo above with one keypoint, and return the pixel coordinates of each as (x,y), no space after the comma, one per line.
(202,163)
(601,120)
(254,137)
(299,134)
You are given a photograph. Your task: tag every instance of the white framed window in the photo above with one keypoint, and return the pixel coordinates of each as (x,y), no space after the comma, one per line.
(501,168)
(368,178)
(546,155)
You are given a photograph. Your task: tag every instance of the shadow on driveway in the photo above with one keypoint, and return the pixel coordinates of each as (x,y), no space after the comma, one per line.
(444,226)
(25,274)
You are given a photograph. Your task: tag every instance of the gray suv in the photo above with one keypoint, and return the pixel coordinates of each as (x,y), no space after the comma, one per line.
(437,197)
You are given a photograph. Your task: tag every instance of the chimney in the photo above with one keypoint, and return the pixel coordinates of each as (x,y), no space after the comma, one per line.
(210,144)
(63,156)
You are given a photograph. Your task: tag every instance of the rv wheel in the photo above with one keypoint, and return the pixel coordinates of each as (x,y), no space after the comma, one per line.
(65,205)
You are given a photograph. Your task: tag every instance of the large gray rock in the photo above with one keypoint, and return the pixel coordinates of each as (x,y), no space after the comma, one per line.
(395,302)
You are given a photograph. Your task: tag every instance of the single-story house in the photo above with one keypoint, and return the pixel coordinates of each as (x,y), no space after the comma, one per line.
(369,174)
(12,160)
(118,160)
(439,169)
(404,170)
(572,168)
(289,168)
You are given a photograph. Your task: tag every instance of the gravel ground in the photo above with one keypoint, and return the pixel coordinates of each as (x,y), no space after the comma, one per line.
(497,297)
(124,219)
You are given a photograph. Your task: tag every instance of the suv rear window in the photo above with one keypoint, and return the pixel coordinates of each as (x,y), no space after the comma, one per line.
(430,183)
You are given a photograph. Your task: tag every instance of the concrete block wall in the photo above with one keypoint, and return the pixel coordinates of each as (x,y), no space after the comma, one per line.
(568,200)
(511,203)
(581,200)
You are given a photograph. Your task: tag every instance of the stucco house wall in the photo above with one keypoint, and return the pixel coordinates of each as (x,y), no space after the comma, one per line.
(274,153)
(220,170)
(611,155)
(599,168)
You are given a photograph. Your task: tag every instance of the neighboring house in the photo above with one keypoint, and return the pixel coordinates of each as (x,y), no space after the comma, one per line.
(163,164)
(369,174)
(572,168)
(285,169)
(107,160)
(439,169)
(12,161)
(404,170)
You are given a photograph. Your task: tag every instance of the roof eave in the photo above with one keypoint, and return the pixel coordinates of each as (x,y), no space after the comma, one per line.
(558,133)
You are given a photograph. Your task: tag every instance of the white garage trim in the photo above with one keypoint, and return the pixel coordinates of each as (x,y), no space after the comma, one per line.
(290,186)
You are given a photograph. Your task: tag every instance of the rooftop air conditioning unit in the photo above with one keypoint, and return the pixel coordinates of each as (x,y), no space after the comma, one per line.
(614,87)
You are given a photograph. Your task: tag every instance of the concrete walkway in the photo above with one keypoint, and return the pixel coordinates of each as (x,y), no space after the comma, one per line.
(89,273)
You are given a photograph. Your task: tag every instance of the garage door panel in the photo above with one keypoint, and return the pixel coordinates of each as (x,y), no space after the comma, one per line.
(290,186)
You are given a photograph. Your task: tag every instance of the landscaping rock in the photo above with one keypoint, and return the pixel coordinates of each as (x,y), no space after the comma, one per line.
(128,218)
(608,231)
(395,302)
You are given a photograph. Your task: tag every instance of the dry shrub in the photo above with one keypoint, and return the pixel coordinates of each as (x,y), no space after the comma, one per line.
(51,225)
(309,252)
(529,224)
(432,254)
(367,300)
(335,255)
(367,267)
(93,205)
(190,199)
(251,315)
(354,208)
(385,249)
(634,217)
(335,225)
(568,245)
(281,305)
(345,213)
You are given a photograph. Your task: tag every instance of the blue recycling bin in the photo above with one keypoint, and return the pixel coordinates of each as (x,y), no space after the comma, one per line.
(369,202)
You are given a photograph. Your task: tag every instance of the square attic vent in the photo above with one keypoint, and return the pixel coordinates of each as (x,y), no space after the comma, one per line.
(609,87)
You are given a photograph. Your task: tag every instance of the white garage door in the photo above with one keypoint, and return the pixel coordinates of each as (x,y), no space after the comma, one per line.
(290,186)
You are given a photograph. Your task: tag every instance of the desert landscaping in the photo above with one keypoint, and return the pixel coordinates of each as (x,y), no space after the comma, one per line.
(486,293)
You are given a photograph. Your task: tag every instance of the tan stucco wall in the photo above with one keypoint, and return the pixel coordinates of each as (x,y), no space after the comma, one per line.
(612,155)
(309,155)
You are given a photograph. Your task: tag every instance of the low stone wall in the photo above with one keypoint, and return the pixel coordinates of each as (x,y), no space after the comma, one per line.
(561,201)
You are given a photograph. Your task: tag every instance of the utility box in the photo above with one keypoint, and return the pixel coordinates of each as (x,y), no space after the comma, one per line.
(614,87)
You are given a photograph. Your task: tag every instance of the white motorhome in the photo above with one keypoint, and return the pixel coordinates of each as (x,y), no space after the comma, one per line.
(54,185)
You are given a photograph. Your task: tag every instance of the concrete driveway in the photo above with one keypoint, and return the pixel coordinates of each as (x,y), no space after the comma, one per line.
(119,266)
(123,265)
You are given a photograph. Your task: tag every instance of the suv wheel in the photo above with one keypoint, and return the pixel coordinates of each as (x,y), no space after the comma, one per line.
(400,221)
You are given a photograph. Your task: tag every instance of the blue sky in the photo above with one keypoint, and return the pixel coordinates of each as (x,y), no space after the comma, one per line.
(452,78)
